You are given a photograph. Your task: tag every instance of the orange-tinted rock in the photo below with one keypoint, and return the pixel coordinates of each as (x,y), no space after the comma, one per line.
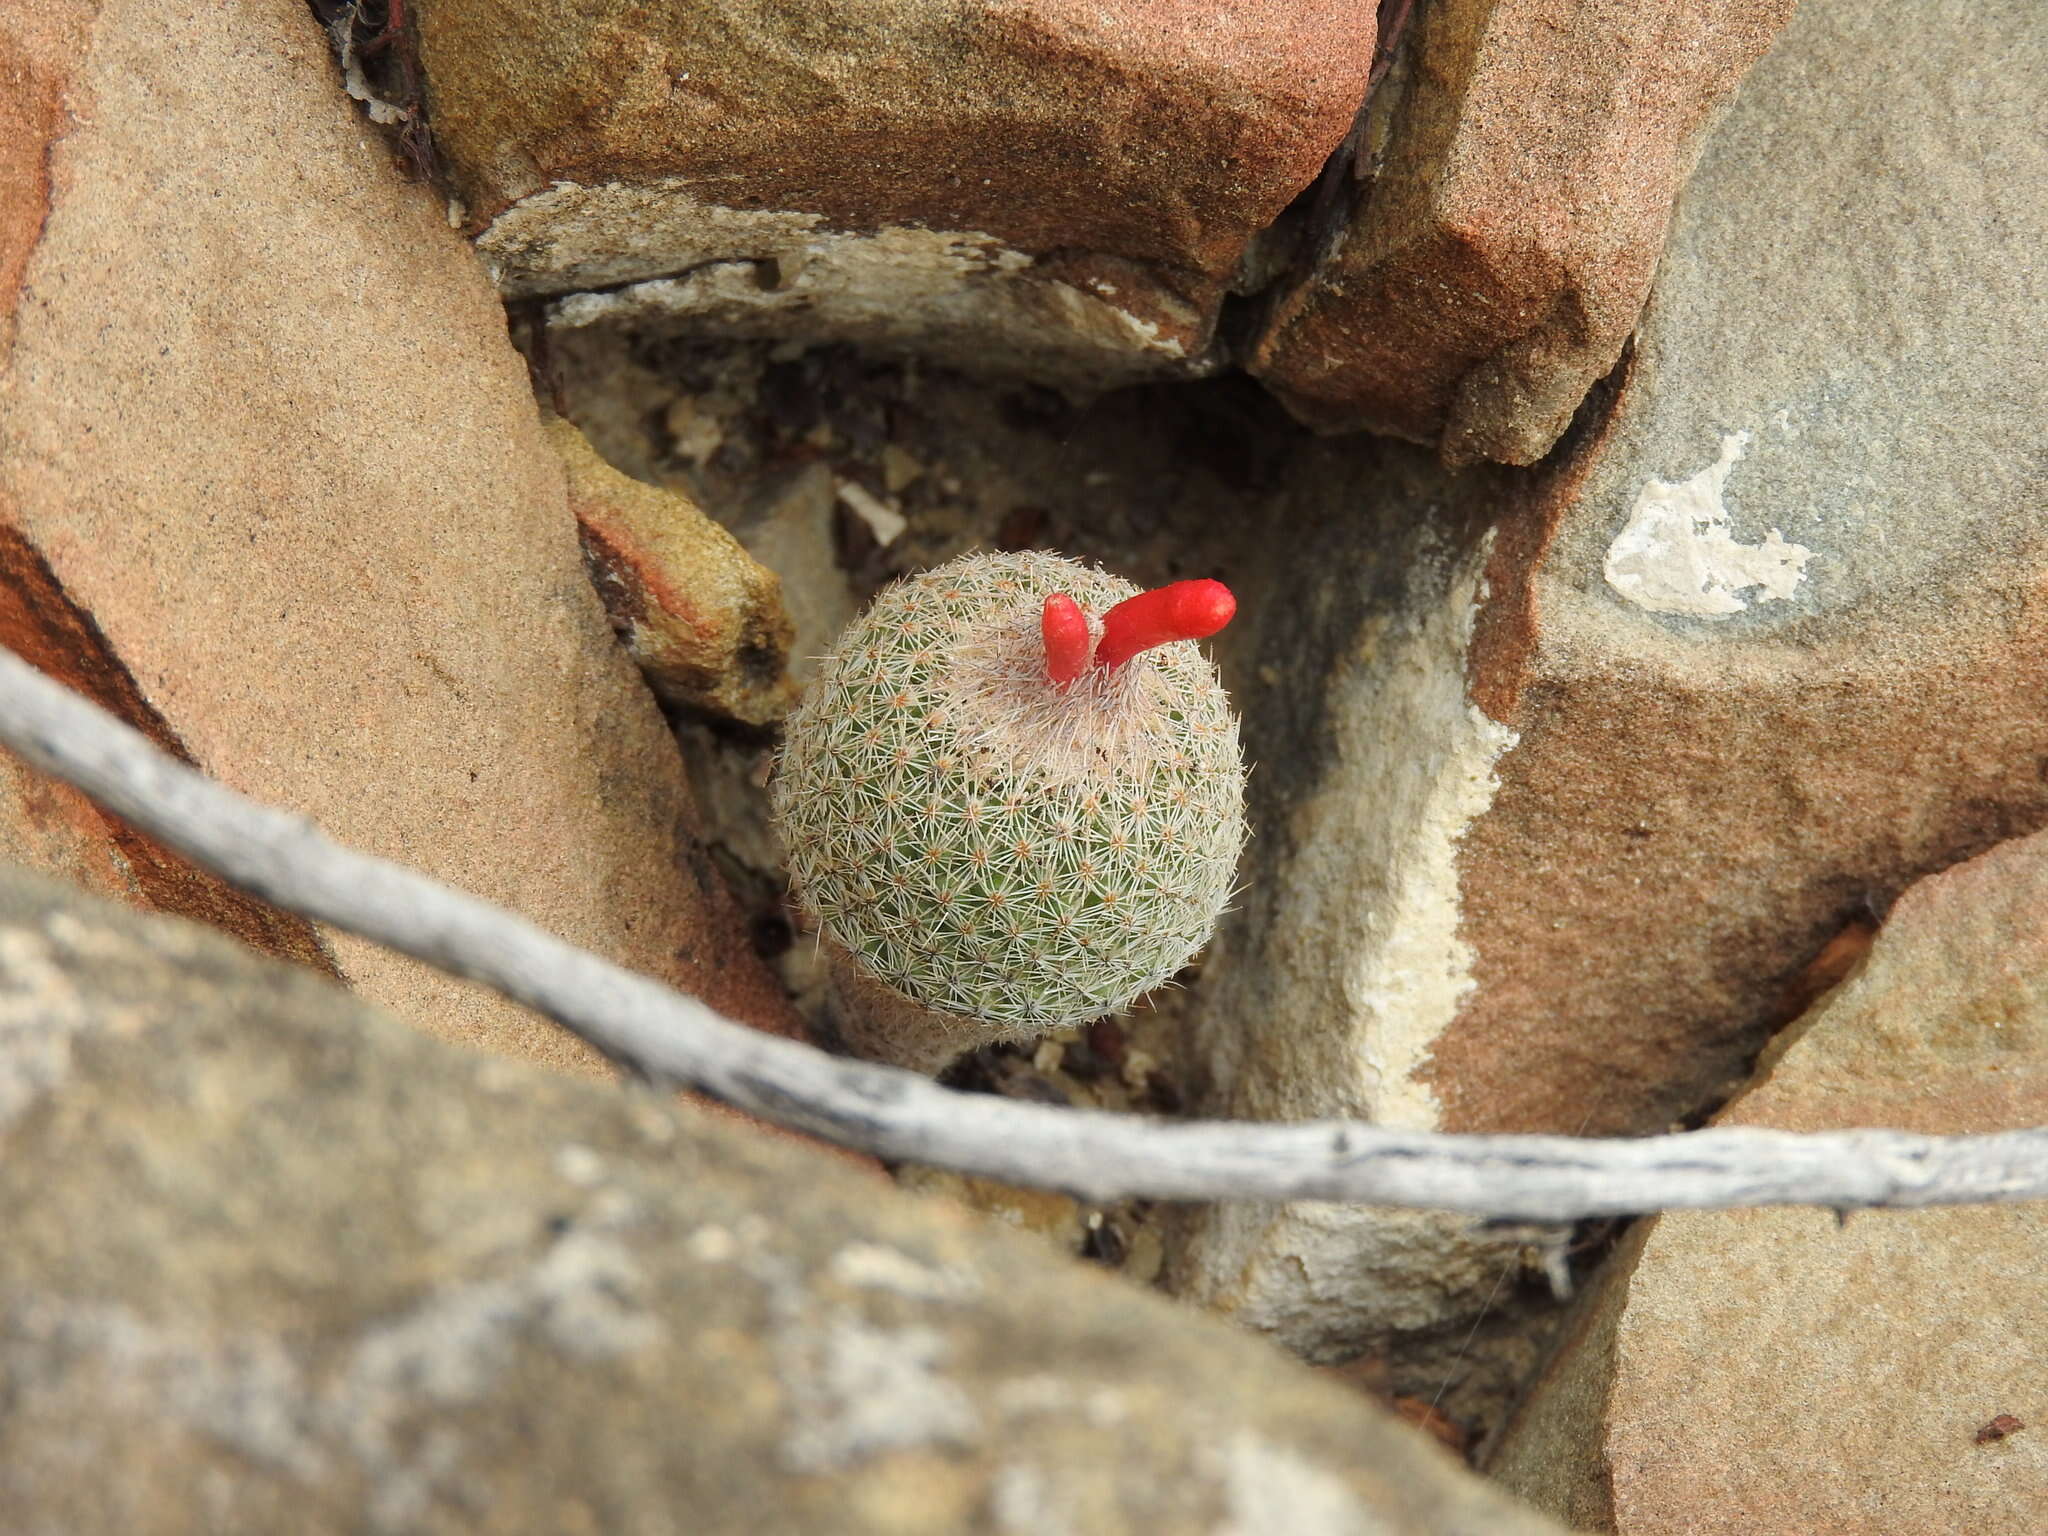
(46,824)
(1041,186)
(37,46)
(265,434)
(1767,1371)
(1570,777)
(701,616)
(1509,218)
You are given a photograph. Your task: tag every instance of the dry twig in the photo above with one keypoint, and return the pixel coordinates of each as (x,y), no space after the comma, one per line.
(1099,1156)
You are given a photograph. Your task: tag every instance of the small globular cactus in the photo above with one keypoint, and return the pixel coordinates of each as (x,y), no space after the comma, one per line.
(1013,800)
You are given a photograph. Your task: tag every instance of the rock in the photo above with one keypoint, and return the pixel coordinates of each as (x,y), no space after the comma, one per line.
(48,825)
(788,528)
(1536,850)
(1042,187)
(1056,1218)
(1323,993)
(274,1263)
(1508,218)
(1763,1371)
(281,471)
(702,618)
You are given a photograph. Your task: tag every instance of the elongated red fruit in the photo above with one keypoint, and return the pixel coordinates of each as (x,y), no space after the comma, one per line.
(1066,639)
(1187,610)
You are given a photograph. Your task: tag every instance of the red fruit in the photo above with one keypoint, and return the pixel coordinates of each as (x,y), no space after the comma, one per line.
(1066,639)
(1187,610)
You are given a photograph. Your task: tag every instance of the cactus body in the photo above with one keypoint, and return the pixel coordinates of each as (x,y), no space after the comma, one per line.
(994,846)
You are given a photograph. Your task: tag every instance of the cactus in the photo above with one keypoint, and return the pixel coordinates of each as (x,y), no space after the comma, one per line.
(1012,800)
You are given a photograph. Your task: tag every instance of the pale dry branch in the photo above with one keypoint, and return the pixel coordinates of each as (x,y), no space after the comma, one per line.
(286,860)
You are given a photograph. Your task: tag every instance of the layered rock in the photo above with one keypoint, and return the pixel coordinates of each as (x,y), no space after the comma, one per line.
(1042,187)
(1781,1371)
(1569,776)
(275,1263)
(1511,200)
(275,489)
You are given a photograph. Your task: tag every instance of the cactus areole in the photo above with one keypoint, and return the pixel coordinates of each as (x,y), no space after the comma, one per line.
(1014,793)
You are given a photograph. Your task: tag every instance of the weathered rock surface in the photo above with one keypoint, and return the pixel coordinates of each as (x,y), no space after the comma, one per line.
(1774,1371)
(1562,787)
(48,825)
(274,1263)
(703,619)
(1510,211)
(1042,187)
(277,491)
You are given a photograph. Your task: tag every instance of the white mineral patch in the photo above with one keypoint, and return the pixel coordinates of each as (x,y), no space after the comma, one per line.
(1269,1487)
(1025,1502)
(41,1010)
(1374,909)
(579,1165)
(856,1391)
(873,1267)
(1677,555)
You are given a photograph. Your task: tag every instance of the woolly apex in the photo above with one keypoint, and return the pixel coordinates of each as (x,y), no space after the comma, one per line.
(996,845)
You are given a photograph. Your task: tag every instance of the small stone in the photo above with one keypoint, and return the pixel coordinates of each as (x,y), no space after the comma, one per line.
(1054,1217)
(701,617)
(882,520)
(787,526)
(695,433)
(900,470)
(1145,1256)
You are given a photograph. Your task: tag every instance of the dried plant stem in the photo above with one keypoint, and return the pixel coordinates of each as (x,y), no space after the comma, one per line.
(286,860)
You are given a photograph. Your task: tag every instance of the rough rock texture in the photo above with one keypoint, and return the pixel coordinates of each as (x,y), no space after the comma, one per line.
(49,825)
(1548,825)
(1766,1371)
(1039,186)
(702,617)
(274,1263)
(277,490)
(1510,212)
(1345,959)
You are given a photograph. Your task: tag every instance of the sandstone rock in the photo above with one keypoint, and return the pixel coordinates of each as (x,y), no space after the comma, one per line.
(1555,804)
(1509,217)
(703,619)
(48,825)
(274,1263)
(263,435)
(1773,1371)
(1034,186)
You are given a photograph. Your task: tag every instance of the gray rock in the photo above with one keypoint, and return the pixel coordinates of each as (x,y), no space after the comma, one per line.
(1776,1370)
(1576,771)
(274,1262)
